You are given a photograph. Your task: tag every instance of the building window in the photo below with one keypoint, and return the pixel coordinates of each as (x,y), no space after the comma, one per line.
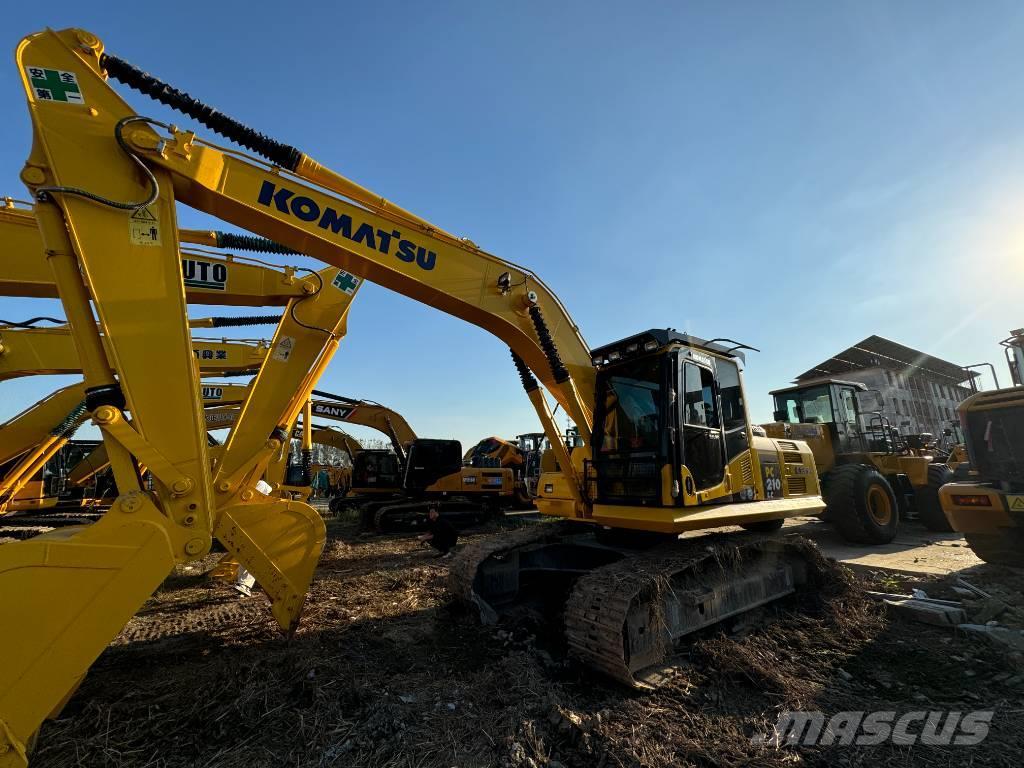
(888,377)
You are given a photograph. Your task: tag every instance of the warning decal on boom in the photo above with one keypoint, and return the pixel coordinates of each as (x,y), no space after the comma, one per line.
(143,228)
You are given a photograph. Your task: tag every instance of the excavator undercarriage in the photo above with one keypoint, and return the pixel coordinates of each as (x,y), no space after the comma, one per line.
(624,606)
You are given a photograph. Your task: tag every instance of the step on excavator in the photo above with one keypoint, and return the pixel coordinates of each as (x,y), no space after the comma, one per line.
(392,490)
(667,443)
(870,474)
(986,501)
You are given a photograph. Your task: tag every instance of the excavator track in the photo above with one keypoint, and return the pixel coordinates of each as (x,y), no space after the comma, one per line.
(462,574)
(624,618)
(412,515)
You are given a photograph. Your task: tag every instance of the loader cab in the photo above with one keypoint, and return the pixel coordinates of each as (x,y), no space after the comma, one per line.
(832,403)
(665,401)
(1013,348)
(993,425)
(427,461)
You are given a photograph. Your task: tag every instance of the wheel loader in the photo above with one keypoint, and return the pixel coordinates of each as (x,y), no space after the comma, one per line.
(986,500)
(667,446)
(870,474)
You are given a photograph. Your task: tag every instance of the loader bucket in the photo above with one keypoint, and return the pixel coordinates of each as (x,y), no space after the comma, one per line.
(279,542)
(65,595)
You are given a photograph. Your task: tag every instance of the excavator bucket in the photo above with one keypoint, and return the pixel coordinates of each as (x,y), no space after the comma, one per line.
(66,594)
(279,542)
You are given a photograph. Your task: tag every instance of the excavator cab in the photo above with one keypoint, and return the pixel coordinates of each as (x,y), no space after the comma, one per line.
(430,460)
(376,470)
(664,400)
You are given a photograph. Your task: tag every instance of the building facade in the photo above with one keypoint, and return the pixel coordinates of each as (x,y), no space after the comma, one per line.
(917,392)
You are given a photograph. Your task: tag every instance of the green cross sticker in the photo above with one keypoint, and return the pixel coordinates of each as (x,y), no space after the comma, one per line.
(346,282)
(55,85)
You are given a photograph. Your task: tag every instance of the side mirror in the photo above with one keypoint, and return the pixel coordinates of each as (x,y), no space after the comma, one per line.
(780,415)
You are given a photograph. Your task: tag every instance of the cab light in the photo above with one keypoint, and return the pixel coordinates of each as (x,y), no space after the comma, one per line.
(549,487)
(597,361)
(613,356)
(631,348)
(650,345)
(974,500)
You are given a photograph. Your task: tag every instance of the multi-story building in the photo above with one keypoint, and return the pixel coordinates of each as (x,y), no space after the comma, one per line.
(915,391)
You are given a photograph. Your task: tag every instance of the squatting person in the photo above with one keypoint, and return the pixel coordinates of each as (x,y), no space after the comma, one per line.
(441,535)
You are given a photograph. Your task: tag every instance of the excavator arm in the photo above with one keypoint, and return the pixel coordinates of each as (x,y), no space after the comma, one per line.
(41,351)
(26,430)
(31,438)
(223,279)
(367,414)
(336,220)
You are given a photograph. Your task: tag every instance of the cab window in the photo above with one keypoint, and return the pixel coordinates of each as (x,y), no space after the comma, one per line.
(847,406)
(699,405)
(734,417)
(632,400)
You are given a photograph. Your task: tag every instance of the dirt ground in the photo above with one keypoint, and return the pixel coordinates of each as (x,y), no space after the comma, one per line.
(385,672)
(914,550)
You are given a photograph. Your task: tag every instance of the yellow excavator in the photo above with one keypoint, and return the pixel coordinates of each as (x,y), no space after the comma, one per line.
(986,501)
(668,446)
(392,490)
(208,278)
(524,457)
(35,436)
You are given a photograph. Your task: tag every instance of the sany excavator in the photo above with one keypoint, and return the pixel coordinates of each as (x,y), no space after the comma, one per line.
(285,476)
(669,447)
(986,503)
(393,489)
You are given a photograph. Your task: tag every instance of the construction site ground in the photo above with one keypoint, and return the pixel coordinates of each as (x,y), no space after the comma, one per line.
(384,671)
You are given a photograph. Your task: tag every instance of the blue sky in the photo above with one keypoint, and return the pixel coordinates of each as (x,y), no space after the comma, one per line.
(796,175)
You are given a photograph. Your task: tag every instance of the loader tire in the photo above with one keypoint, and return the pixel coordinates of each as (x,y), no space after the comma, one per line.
(1004,547)
(861,504)
(929,510)
(764,526)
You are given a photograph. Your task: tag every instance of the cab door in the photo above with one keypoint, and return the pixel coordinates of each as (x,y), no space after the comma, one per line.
(703,445)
